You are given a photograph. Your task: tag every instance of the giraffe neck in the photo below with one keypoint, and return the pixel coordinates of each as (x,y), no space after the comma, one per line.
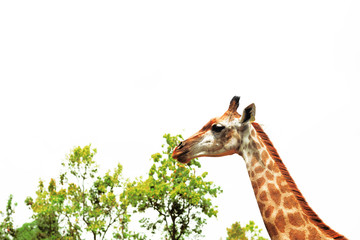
(284,210)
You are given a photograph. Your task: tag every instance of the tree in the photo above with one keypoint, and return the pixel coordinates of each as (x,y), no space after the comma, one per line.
(249,232)
(181,199)
(7,225)
(47,213)
(38,229)
(85,203)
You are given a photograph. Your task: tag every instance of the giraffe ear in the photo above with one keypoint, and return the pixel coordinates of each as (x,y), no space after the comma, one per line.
(234,104)
(248,114)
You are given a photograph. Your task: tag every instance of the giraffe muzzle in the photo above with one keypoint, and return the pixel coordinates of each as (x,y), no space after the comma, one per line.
(180,153)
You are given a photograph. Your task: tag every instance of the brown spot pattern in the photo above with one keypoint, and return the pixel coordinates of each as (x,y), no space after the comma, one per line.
(263,196)
(253,132)
(264,156)
(253,145)
(269,211)
(259,169)
(313,234)
(280,221)
(269,175)
(271,229)
(261,207)
(296,234)
(271,166)
(296,219)
(260,182)
(282,185)
(290,202)
(274,193)
(256,155)
(253,161)
(255,187)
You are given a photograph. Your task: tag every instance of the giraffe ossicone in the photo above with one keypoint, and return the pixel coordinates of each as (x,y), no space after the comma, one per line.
(284,210)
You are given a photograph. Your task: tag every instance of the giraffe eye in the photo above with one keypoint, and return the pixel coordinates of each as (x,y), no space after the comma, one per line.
(217,127)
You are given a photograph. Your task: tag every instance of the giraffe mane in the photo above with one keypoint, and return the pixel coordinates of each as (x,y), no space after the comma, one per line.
(304,205)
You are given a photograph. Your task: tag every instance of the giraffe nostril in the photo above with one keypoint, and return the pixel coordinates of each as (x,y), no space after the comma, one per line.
(180,145)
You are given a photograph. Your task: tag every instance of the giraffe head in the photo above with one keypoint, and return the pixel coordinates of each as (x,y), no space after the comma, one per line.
(220,136)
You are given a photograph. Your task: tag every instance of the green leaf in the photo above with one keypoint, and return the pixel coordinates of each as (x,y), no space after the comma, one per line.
(176,193)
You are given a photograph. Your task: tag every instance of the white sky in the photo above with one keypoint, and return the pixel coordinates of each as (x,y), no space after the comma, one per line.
(120,75)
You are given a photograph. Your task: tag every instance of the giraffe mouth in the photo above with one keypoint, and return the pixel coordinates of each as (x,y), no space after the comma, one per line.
(181,155)
(188,150)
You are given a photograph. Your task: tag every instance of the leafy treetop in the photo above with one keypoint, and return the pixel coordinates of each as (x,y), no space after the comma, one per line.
(181,198)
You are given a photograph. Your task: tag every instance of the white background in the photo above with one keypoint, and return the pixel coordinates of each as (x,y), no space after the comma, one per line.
(121,74)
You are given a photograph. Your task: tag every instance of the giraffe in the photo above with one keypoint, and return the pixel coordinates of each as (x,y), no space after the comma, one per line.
(285,212)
